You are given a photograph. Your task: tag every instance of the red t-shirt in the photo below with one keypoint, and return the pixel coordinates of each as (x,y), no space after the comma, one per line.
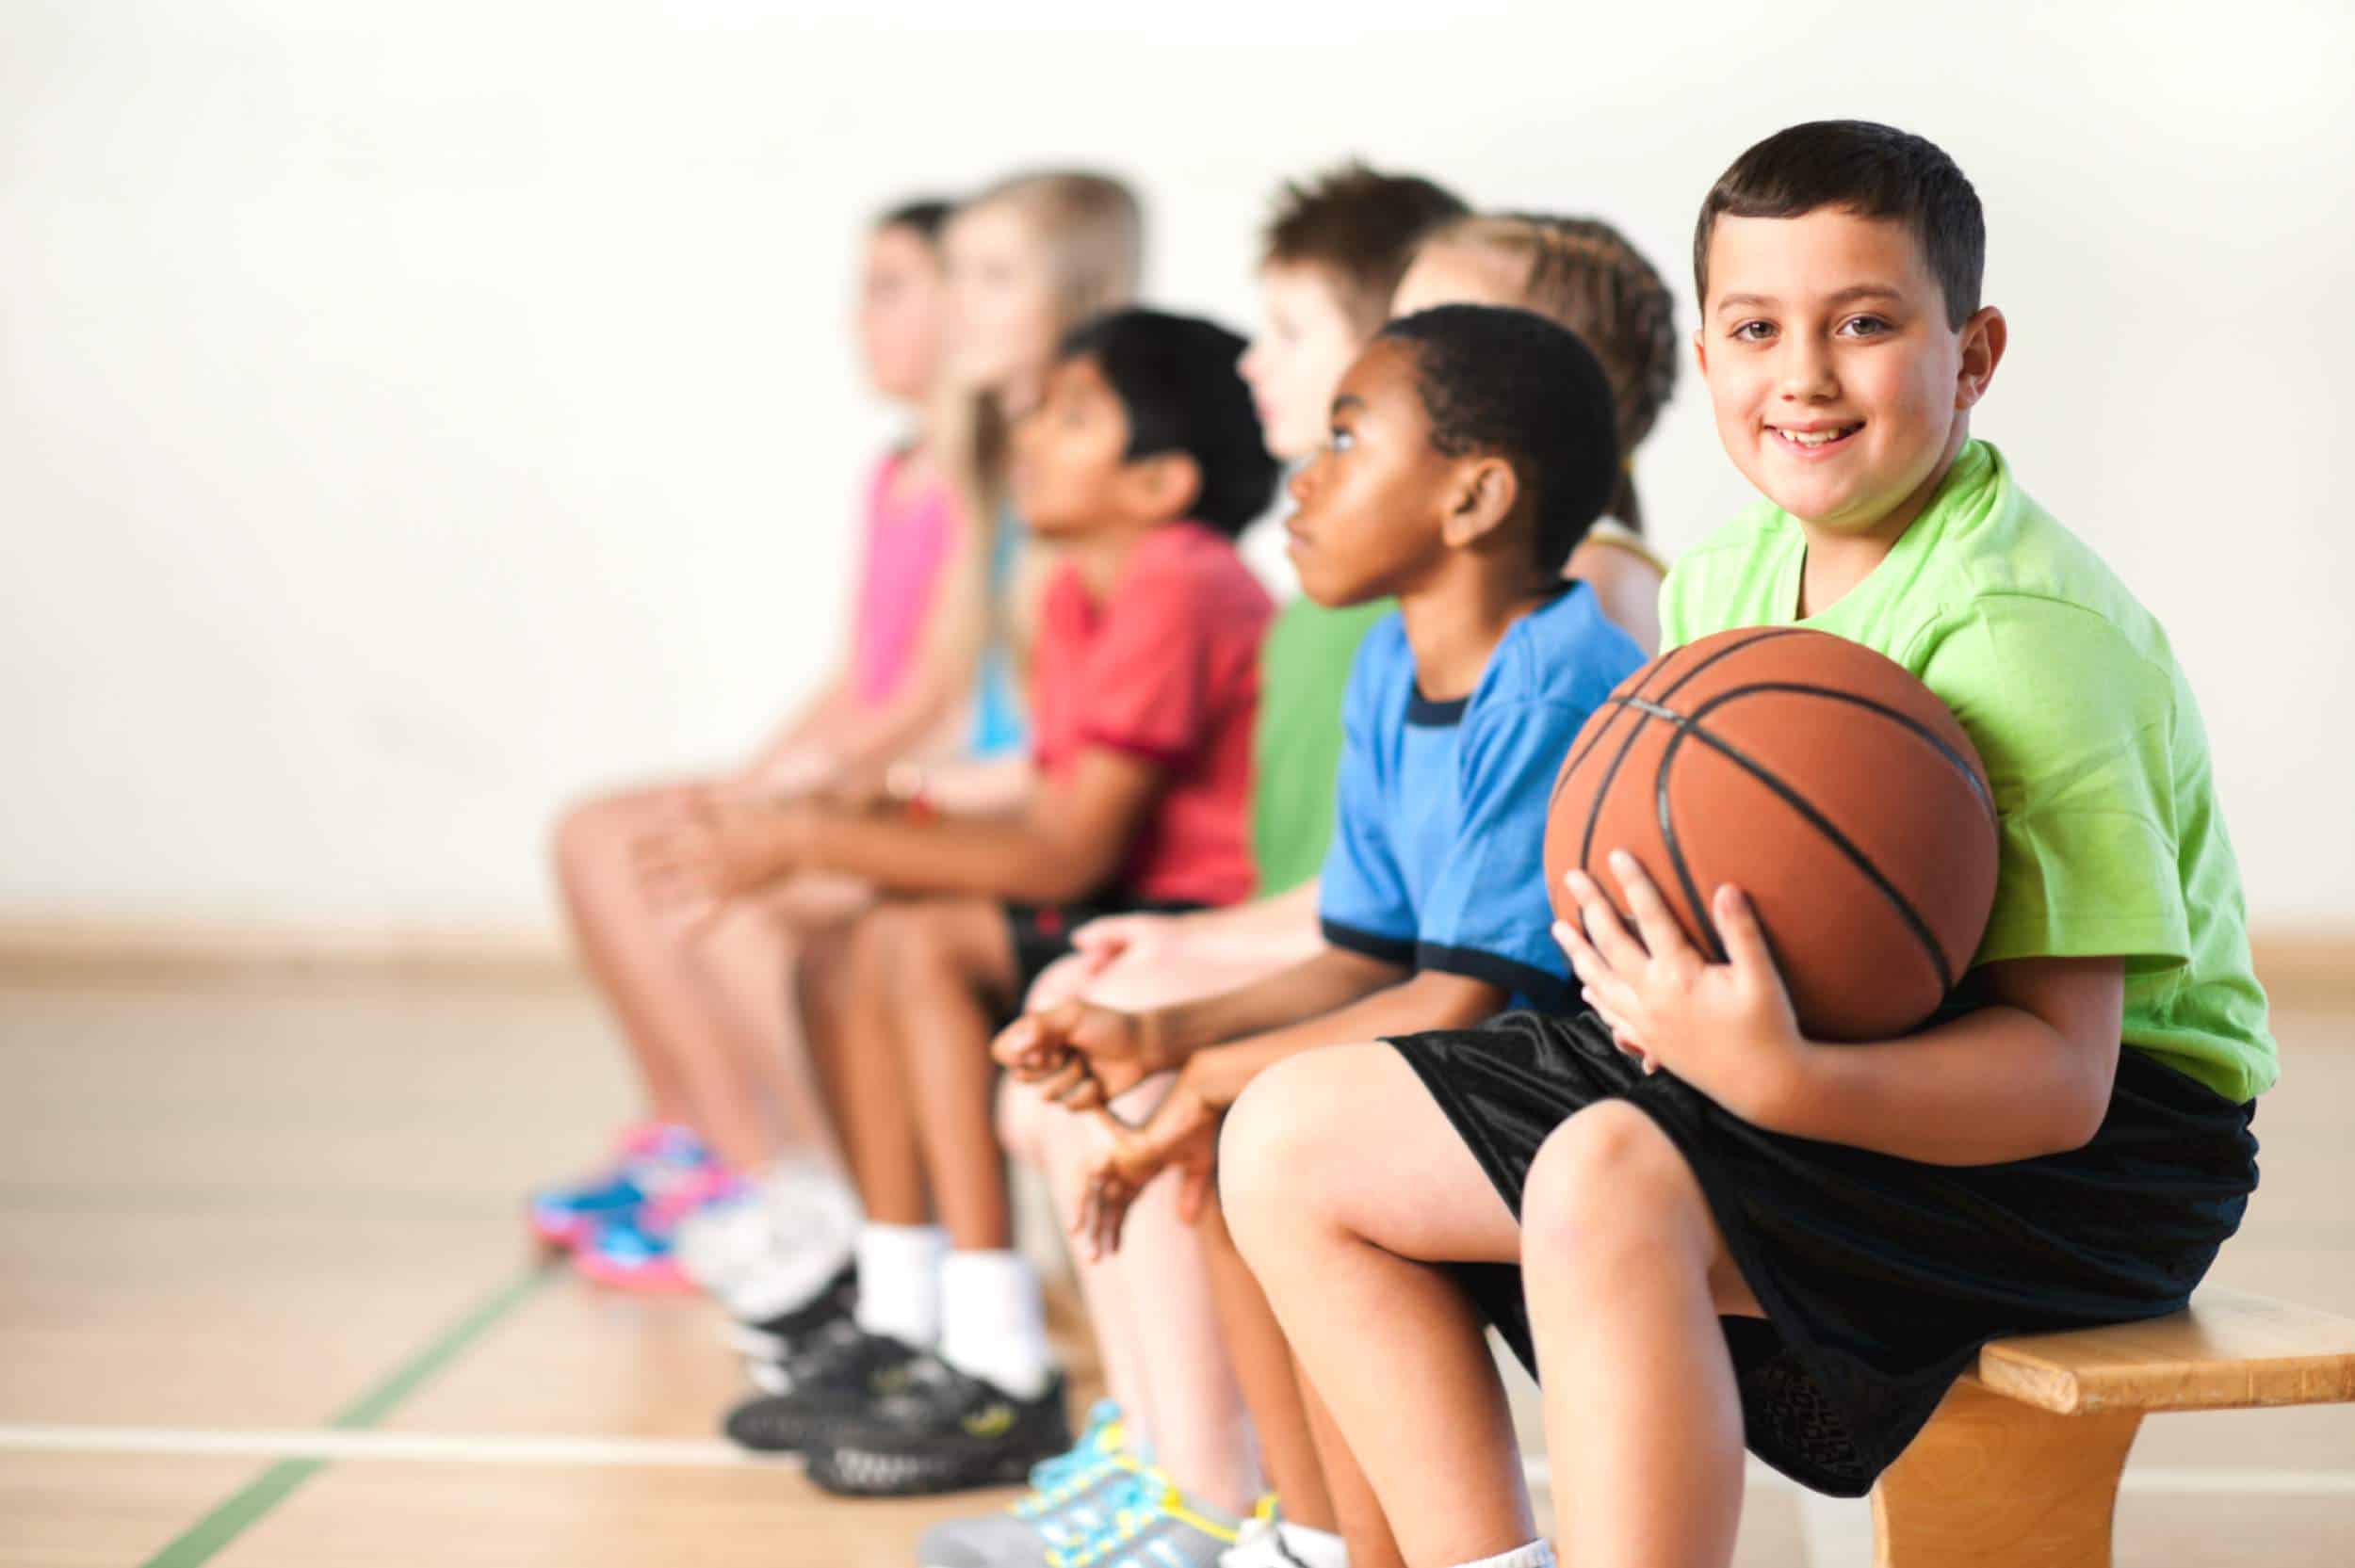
(1165,668)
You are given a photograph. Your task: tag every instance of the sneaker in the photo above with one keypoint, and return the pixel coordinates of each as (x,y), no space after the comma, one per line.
(844,1371)
(1265,1543)
(1072,1497)
(1157,1526)
(772,1341)
(783,1235)
(567,1216)
(628,1254)
(943,1431)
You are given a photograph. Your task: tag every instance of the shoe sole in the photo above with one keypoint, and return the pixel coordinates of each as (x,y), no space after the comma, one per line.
(758,1344)
(1009,1470)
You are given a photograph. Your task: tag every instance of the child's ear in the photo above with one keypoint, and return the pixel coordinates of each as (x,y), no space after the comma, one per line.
(1165,485)
(1484,493)
(1984,337)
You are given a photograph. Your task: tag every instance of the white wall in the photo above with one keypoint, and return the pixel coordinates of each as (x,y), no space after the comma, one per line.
(412,413)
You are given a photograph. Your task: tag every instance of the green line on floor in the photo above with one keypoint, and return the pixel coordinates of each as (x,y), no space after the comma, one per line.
(239,1513)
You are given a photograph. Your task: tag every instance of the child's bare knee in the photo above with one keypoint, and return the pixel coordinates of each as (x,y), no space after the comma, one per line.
(1022,1114)
(1267,1153)
(1606,1171)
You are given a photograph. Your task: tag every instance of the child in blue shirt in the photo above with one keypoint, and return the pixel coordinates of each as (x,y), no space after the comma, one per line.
(1471,447)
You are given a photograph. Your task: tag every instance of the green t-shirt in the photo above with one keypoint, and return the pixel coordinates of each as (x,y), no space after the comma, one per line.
(1297,748)
(2112,840)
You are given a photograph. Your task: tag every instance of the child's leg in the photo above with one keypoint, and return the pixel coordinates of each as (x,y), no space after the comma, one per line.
(846,1004)
(1363,1524)
(1060,1145)
(631,964)
(851,1020)
(1268,1378)
(749,962)
(1626,1276)
(1337,1169)
(950,976)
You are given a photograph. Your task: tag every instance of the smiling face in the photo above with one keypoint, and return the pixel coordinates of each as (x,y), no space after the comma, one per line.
(1839,390)
(1374,501)
(1003,317)
(900,309)
(1297,359)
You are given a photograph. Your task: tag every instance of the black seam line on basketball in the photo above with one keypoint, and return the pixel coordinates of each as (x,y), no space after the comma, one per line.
(1669,839)
(1821,824)
(1765,633)
(1896,716)
(1594,812)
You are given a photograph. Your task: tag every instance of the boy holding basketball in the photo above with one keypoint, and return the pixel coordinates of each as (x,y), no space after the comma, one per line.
(1696,1223)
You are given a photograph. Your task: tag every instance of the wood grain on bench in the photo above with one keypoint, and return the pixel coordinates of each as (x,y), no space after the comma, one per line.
(2229,1351)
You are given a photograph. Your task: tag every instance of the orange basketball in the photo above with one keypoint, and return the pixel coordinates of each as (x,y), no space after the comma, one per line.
(1823,781)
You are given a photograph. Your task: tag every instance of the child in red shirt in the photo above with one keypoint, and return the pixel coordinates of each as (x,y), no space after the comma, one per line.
(1142,461)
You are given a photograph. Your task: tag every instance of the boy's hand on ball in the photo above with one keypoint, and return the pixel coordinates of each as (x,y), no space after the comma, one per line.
(1726,1028)
(1180,1135)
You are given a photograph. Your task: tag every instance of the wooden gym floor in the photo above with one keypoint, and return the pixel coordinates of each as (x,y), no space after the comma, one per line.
(264,1303)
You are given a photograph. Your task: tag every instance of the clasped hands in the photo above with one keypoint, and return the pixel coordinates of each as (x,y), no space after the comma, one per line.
(1083,1056)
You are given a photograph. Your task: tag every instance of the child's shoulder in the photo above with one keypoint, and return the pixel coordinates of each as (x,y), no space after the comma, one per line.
(2006,565)
(1565,652)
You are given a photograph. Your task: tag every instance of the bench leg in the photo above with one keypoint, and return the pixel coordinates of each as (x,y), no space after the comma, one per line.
(1992,1481)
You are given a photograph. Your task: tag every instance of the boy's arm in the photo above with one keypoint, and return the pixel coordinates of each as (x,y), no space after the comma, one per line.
(1431,999)
(1083,1053)
(1069,842)
(2027,1074)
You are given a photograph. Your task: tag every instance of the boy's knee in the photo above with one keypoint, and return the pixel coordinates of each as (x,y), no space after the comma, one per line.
(1268,1149)
(580,830)
(1606,1171)
(1022,1114)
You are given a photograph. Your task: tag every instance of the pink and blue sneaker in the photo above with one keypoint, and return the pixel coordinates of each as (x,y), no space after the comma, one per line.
(650,1157)
(637,1250)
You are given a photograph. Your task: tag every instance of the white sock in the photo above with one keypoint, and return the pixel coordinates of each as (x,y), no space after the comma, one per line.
(803,1190)
(807,1225)
(1312,1548)
(899,1281)
(1535,1555)
(993,1324)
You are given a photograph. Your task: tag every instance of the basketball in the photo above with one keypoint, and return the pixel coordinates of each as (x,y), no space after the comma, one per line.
(1823,781)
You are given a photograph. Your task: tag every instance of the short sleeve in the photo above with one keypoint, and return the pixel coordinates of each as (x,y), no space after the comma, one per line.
(2076,728)
(1487,915)
(1675,619)
(1148,680)
(1363,900)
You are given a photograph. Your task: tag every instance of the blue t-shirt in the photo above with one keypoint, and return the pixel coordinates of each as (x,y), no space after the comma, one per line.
(999,725)
(1438,857)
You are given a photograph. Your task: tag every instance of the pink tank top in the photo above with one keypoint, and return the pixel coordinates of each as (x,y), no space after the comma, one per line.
(908,537)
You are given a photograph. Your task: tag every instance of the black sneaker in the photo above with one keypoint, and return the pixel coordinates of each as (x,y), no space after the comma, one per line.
(942,1431)
(776,1338)
(845,1372)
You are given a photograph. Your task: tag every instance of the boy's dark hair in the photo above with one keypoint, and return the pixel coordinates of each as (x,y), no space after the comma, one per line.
(1513,383)
(1175,379)
(925,215)
(1360,225)
(1872,170)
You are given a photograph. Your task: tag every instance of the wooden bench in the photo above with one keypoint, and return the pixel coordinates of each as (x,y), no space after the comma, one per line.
(2020,1467)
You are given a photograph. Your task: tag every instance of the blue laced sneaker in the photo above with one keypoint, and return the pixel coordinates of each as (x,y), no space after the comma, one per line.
(1073,1497)
(1154,1525)
(570,1215)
